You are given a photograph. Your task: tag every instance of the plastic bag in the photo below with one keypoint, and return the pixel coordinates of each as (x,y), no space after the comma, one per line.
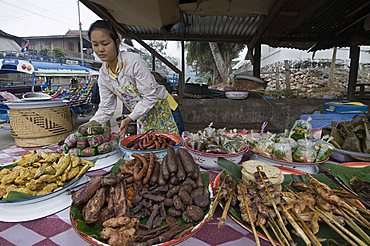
(305,151)
(323,150)
(264,147)
(301,129)
(282,151)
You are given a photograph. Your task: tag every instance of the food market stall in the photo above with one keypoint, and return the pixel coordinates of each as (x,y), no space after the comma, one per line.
(78,223)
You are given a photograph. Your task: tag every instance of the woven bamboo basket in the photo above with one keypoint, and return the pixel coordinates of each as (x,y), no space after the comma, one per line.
(40,126)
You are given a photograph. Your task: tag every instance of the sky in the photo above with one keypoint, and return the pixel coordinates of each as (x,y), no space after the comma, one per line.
(24,18)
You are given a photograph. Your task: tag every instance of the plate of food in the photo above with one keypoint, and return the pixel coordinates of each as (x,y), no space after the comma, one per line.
(39,176)
(169,202)
(210,144)
(289,208)
(150,142)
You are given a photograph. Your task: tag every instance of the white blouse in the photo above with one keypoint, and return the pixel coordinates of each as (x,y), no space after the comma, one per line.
(135,68)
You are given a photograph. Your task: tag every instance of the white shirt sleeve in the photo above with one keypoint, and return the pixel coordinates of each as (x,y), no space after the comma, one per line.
(147,87)
(108,103)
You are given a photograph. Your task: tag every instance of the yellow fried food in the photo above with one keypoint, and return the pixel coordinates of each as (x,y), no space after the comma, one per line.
(75,160)
(9,178)
(53,157)
(34,185)
(63,163)
(73,173)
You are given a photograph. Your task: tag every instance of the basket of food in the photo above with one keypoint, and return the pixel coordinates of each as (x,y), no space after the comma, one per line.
(210,144)
(150,142)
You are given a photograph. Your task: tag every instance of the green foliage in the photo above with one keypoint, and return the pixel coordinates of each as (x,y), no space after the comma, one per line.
(231,167)
(116,167)
(44,51)
(16,196)
(200,57)
(58,54)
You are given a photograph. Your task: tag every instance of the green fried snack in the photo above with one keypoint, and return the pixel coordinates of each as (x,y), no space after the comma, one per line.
(88,152)
(95,140)
(104,148)
(75,151)
(82,142)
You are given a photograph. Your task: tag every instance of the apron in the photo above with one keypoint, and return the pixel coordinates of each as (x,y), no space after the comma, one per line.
(158,119)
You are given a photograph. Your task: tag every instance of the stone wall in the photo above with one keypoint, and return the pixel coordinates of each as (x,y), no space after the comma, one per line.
(309,77)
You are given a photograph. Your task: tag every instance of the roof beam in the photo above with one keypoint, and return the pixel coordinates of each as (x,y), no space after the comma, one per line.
(264,23)
(104,14)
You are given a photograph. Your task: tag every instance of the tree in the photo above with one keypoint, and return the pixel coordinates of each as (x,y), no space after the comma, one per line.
(204,62)
(160,47)
(58,54)
(44,52)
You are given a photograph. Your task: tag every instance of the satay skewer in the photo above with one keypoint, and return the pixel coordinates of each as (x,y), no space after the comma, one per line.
(278,233)
(296,227)
(272,241)
(350,234)
(330,224)
(226,209)
(308,231)
(215,201)
(256,238)
(280,220)
(355,227)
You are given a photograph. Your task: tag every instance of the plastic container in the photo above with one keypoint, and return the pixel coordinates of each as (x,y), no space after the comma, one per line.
(345,108)
(324,120)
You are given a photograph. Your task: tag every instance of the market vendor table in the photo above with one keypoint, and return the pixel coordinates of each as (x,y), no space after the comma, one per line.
(56,229)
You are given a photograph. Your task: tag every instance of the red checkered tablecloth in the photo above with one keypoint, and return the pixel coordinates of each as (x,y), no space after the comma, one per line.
(56,229)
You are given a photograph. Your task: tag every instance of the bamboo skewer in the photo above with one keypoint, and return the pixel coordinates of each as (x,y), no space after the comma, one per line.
(307,229)
(279,235)
(355,227)
(363,210)
(295,225)
(329,223)
(215,202)
(280,220)
(350,234)
(226,209)
(256,238)
(272,241)
(357,217)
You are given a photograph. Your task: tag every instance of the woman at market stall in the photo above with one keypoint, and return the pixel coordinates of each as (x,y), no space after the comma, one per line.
(125,75)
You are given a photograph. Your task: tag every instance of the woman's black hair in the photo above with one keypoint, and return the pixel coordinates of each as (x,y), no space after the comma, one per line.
(106,25)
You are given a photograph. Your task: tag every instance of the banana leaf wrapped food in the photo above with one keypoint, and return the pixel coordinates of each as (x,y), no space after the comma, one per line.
(104,148)
(75,151)
(89,151)
(352,135)
(90,128)
(71,140)
(107,132)
(95,140)
(82,142)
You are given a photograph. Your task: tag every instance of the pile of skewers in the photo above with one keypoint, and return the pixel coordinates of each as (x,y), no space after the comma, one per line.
(299,211)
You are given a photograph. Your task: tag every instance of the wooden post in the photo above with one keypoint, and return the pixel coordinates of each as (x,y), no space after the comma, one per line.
(277,76)
(182,73)
(354,55)
(287,75)
(257,61)
(153,63)
(330,84)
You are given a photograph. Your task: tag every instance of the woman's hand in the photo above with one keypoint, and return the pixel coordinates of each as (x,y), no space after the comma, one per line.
(124,126)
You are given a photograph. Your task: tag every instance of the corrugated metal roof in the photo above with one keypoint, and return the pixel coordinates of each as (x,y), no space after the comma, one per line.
(303,24)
